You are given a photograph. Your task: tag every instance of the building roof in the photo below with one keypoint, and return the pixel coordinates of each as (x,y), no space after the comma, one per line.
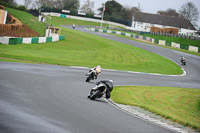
(163,20)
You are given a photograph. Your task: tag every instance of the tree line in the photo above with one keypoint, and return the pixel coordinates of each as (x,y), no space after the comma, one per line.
(113,11)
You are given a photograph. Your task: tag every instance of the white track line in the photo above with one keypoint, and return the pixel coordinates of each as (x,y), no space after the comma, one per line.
(185,72)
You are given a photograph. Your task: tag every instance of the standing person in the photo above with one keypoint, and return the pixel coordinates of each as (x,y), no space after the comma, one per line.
(73,26)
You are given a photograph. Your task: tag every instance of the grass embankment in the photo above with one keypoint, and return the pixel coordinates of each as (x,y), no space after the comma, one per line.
(29,20)
(182,50)
(176,39)
(57,21)
(168,39)
(186,42)
(180,105)
(82,49)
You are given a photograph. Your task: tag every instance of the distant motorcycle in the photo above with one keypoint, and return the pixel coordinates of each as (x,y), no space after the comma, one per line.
(93,73)
(91,76)
(183,62)
(101,89)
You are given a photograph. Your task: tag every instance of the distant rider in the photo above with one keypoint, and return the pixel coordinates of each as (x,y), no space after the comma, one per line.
(182,58)
(96,71)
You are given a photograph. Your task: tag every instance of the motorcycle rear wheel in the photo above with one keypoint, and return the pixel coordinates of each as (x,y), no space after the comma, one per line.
(87,79)
(95,94)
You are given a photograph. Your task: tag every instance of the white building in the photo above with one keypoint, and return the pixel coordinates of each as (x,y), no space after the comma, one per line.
(144,21)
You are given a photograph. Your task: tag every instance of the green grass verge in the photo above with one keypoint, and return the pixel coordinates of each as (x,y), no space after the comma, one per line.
(180,105)
(57,21)
(182,50)
(82,49)
(176,39)
(168,39)
(29,20)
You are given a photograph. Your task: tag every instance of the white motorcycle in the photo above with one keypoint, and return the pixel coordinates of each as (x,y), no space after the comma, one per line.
(93,73)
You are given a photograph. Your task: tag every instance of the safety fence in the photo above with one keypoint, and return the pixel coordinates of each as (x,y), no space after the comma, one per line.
(32,40)
(149,39)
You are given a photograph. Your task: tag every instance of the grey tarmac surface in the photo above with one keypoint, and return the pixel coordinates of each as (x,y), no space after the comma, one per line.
(53,99)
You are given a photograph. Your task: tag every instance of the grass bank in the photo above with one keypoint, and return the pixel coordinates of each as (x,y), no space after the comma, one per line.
(29,20)
(180,105)
(176,39)
(57,21)
(169,39)
(182,50)
(82,49)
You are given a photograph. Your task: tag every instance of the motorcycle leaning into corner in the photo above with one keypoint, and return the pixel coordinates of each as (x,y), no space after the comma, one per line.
(182,60)
(101,89)
(93,73)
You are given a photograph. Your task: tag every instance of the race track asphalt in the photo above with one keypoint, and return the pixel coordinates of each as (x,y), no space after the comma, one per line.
(37,98)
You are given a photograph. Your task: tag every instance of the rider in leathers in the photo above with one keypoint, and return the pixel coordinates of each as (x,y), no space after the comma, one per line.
(109,86)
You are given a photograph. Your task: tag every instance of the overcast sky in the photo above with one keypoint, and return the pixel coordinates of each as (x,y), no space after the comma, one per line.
(149,6)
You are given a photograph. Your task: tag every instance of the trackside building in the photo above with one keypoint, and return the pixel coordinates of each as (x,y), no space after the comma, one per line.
(144,21)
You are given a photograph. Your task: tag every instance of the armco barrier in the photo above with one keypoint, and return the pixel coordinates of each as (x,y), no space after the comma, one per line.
(42,40)
(5,40)
(49,39)
(104,31)
(127,34)
(152,40)
(61,37)
(193,49)
(55,38)
(122,33)
(161,42)
(137,36)
(19,40)
(118,33)
(140,37)
(34,40)
(109,31)
(113,32)
(12,41)
(175,45)
(27,40)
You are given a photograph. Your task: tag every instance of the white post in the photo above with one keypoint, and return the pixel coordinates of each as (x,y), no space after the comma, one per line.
(102,15)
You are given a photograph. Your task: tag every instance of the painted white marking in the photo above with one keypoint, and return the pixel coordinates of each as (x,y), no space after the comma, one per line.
(184,71)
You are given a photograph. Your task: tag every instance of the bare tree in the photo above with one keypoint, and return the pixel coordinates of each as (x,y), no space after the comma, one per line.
(169,12)
(128,12)
(12,2)
(72,5)
(35,5)
(87,7)
(58,3)
(27,3)
(190,12)
(46,3)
